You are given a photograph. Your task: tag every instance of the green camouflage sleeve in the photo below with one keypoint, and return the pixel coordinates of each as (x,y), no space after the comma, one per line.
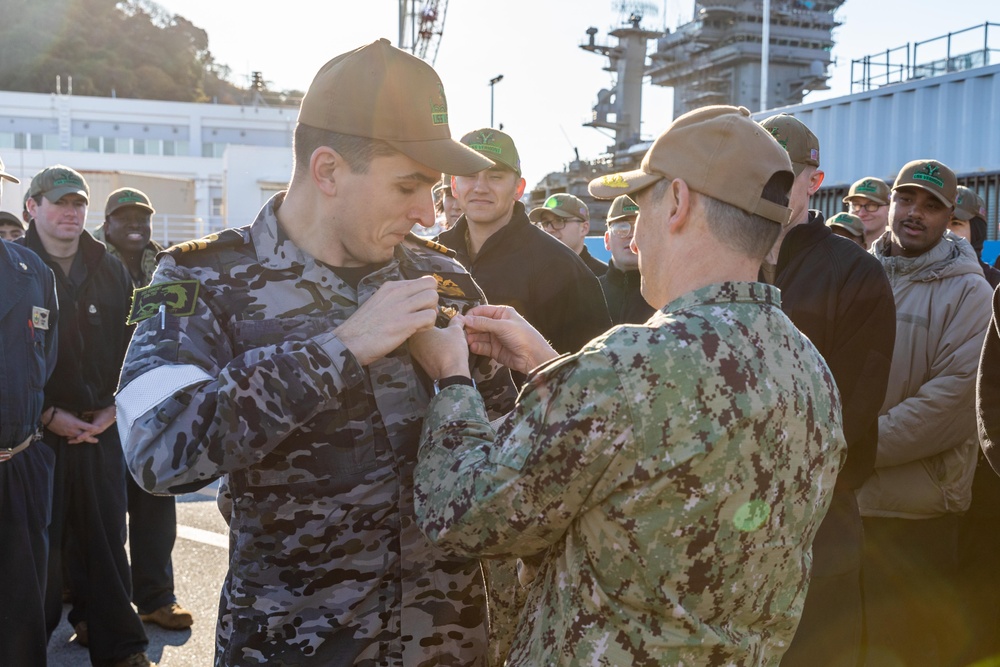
(514,492)
(190,409)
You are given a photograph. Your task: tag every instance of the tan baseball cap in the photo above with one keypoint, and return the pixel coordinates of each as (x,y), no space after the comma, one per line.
(869,187)
(6,176)
(562,205)
(123,197)
(496,145)
(793,135)
(58,181)
(848,221)
(968,204)
(930,175)
(718,151)
(381,92)
(622,207)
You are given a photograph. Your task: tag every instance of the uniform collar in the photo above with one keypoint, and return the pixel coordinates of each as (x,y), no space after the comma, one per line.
(728,292)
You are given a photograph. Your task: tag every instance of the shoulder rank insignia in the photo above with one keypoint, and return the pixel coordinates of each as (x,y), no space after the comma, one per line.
(226,238)
(428,243)
(176,298)
(450,285)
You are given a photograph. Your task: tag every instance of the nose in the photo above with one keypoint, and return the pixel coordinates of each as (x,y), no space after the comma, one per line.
(423,214)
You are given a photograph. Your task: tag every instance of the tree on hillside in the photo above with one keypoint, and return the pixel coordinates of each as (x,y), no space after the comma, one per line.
(129,48)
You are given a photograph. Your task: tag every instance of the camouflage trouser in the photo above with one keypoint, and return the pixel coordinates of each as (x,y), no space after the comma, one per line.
(508,582)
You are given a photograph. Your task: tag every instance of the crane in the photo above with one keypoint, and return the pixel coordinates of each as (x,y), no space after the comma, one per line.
(421,25)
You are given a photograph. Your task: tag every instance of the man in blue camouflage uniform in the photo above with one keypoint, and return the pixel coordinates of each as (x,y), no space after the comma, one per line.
(673,473)
(276,354)
(28,314)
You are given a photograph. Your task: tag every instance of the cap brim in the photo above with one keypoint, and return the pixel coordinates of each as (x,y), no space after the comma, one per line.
(444,155)
(848,198)
(55,194)
(554,211)
(622,183)
(849,230)
(145,207)
(7,177)
(964,216)
(937,195)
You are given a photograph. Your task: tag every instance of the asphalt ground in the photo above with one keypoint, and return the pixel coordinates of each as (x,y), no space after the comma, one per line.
(199,557)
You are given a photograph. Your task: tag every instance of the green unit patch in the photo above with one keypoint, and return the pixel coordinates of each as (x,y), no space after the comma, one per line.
(867,186)
(176,298)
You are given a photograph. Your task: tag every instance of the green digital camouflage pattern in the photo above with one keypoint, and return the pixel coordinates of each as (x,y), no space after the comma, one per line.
(676,471)
(327,564)
(147,264)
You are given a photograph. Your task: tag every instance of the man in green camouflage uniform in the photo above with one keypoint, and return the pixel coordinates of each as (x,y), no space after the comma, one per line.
(673,473)
(276,354)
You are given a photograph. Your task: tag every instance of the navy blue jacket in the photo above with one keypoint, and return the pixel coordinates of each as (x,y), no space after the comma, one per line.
(28,314)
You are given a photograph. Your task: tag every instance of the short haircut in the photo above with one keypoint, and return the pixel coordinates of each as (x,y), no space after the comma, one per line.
(358,152)
(744,232)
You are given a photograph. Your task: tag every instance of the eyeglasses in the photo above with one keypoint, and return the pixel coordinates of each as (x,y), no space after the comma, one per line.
(557,224)
(621,228)
(871,206)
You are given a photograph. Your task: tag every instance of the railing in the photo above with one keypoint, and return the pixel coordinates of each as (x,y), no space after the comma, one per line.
(168,229)
(953,52)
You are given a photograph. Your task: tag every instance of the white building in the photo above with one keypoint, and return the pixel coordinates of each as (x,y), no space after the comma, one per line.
(205,166)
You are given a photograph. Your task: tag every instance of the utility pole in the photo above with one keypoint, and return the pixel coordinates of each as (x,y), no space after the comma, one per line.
(493,82)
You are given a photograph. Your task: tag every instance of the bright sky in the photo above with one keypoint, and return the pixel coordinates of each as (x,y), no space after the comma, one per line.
(550,85)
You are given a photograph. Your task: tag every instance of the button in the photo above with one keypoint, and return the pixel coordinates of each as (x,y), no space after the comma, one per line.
(92,310)
(24,267)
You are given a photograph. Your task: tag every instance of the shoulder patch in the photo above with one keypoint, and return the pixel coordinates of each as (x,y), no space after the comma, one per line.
(428,243)
(177,298)
(227,238)
(451,284)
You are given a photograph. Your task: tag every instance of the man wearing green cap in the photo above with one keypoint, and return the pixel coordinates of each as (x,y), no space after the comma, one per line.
(568,219)
(849,227)
(664,474)
(89,502)
(913,502)
(868,199)
(839,297)
(276,355)
(622,283)
(516,263)
(152,524)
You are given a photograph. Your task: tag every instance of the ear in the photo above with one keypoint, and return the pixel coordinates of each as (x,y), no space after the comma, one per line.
(607,241)
(325,165)
(586,227)
(520,189)
(680,207)
(816,180)
(32,206)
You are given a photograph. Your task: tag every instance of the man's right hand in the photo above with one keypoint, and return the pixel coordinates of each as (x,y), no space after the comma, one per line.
(500,333)
(69,426)
(396,311)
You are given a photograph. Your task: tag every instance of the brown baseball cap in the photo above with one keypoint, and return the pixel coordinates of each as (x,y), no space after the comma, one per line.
(930,175)
(562,205)
(123,197)
(496,145)
(58,181)
(381,92)
(622,207)
(848,221)
(968,204)
(6,176)
(869,187)
(9,219)
(718,151)
(793,135)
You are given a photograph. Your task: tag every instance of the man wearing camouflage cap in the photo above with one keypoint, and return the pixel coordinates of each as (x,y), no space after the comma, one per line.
(621,284)
(839,297)
(568,219)
(912,503)
(968,220)
(516,263)
(868,199)
(659,469)
(89,501)
(276,354)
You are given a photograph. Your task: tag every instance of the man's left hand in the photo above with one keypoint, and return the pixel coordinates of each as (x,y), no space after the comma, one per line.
(442,352)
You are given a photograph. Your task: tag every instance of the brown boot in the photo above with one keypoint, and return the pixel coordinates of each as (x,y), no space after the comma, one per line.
(170,616)
(82,636)
(134,660)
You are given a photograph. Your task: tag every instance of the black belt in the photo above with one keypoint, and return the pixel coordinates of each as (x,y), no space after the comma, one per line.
(8,454)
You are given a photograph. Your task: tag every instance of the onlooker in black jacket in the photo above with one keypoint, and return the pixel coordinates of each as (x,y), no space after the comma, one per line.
(515,263)
(568,219)
(622,284)
(839,296)
(88,508)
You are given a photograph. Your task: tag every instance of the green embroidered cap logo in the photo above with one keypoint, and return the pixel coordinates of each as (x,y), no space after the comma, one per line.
(867,186)
(551,202)
(928,174)
(176,298)
(486,144)
(614,181)
(69,180)
(630,208)
(130,196)
(439,108)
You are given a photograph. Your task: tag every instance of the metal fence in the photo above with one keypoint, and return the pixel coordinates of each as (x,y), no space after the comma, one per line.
(168,229)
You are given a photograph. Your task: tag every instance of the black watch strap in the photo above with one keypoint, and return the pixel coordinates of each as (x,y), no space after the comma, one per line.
(453,379)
